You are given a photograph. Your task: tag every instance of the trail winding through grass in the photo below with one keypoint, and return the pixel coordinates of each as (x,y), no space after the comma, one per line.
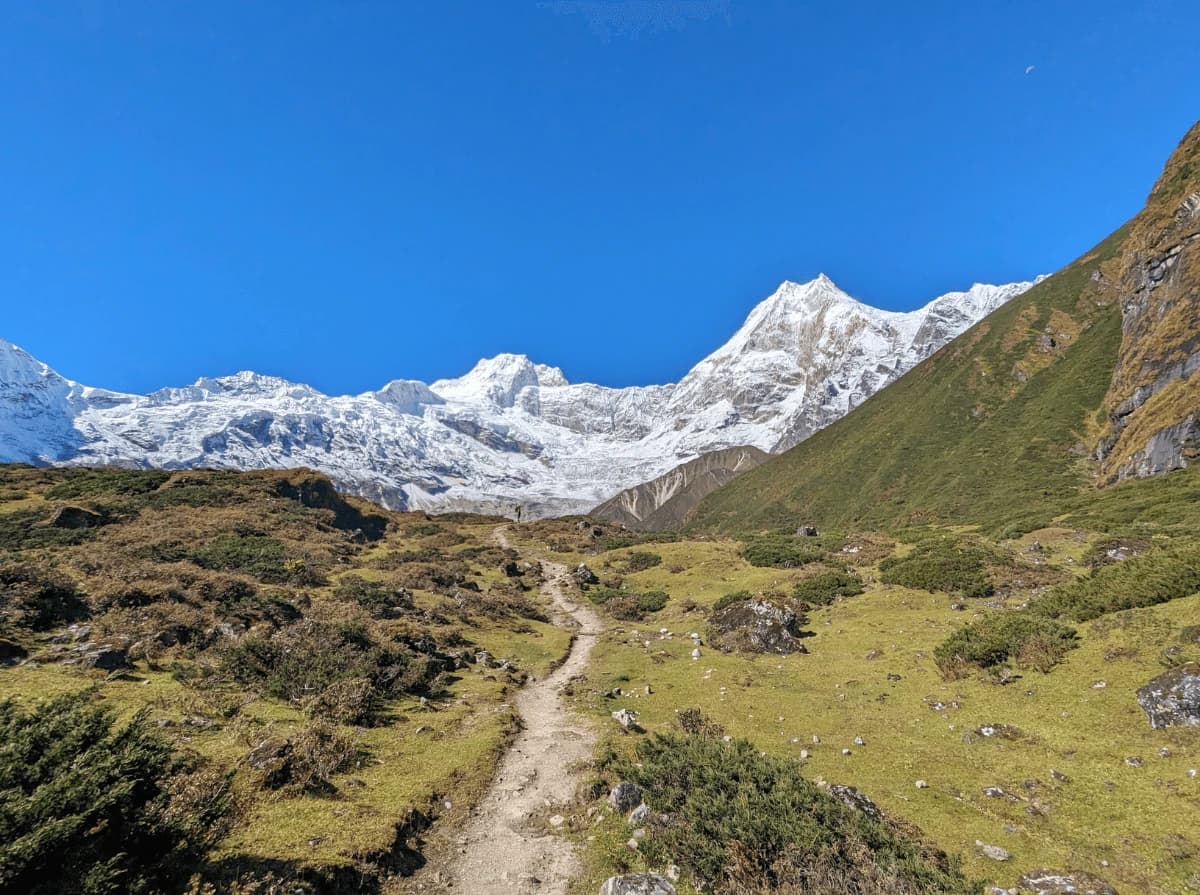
(500,850)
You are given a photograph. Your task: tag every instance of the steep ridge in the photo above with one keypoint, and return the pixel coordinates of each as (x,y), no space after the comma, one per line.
(666,501)
(510,430)
(1086,378)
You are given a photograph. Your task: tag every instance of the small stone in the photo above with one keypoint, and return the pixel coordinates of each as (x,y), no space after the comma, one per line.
(803,754)
(1134,761)
(921,784)
(638,815)
(696,653)
(557,820)
(626,718)
(846,752)
(995,852)
(858,741)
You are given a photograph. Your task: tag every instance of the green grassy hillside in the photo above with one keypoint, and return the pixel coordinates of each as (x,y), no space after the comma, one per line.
(1005,423)
(993,426)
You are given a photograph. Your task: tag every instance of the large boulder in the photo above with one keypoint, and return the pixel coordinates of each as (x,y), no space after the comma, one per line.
(637,884)
(756,626)
(1173,698)
(1056,882)
(76,517)
(11,652)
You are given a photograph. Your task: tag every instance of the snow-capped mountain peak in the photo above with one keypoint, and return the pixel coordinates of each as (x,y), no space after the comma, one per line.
(510,430)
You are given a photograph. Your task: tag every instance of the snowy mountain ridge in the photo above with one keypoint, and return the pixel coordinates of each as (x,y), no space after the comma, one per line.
(510,430)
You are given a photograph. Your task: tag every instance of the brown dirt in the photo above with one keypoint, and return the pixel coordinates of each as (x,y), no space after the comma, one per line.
(505,846)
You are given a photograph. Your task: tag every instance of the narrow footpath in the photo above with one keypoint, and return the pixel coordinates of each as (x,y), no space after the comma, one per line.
(498,852)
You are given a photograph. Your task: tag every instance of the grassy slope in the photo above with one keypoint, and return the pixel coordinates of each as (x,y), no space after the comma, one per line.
(444,749)
(1139,820)
(961,436)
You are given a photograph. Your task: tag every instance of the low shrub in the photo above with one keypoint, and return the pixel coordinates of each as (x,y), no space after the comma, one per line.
(823,589)
(941,566)
(307,657)
(652,601)
(260,556)
(737,596)
(780,551)
(1148,580)
(744,821)
(88,807)
(38,598)
(377,598)
(640,560)
(1001,637)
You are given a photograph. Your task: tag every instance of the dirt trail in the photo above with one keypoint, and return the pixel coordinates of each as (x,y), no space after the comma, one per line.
(499,851)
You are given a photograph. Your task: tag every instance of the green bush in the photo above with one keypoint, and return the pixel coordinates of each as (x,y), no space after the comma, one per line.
(640,560)
(304,659)
(1148,580)
(780,551)
(90,808)
(941,566)
(652,601)
(1002,637)
(38,598)
(257,555)
(601,595)
(823,589)
(742,818)
(737,596)
(379,599)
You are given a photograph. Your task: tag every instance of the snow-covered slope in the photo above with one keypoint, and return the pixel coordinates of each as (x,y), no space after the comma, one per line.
(509,431)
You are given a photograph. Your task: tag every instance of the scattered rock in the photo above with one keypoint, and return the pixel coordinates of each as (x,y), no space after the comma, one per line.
(995,852)
(1054,882)
(557,820)
(625,796)
(584,576)
(859,741)
(638,815)
(807,531)
(626,718)
(1173,698)
(874,654)
(854,798)
(1134,761)
(921,784)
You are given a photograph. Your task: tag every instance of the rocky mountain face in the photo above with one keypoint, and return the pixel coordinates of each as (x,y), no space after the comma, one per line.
(665,502)
(509,431)
(1154,401)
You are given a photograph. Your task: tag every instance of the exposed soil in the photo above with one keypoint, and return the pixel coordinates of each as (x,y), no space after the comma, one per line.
(505,846)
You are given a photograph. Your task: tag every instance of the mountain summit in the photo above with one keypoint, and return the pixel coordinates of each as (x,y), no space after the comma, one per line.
(510,430)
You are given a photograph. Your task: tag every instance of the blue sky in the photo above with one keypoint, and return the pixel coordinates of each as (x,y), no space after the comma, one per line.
(349,192)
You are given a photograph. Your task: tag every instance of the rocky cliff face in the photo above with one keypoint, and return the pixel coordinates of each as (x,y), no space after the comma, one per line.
(509,431)
(665,502)
(1154,401)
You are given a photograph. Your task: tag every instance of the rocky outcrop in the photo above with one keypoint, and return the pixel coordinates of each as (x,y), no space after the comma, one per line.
(1173,698)
(664,503)
(1154,399)
(756,626)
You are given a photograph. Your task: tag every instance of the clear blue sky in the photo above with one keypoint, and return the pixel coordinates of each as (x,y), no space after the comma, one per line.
(351,191)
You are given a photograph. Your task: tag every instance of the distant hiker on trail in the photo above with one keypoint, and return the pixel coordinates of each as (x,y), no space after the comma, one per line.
(517,509)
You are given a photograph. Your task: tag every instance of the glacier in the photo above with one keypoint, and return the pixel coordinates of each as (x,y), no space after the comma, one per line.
(510,431)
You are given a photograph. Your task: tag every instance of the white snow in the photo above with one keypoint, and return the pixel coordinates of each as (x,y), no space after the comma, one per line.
(509,431)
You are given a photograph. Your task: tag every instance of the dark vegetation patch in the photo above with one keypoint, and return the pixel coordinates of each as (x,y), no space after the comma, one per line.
(824,588)
(943,565)
(738,821)
(1035,636)
(90,806)
(781,551)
